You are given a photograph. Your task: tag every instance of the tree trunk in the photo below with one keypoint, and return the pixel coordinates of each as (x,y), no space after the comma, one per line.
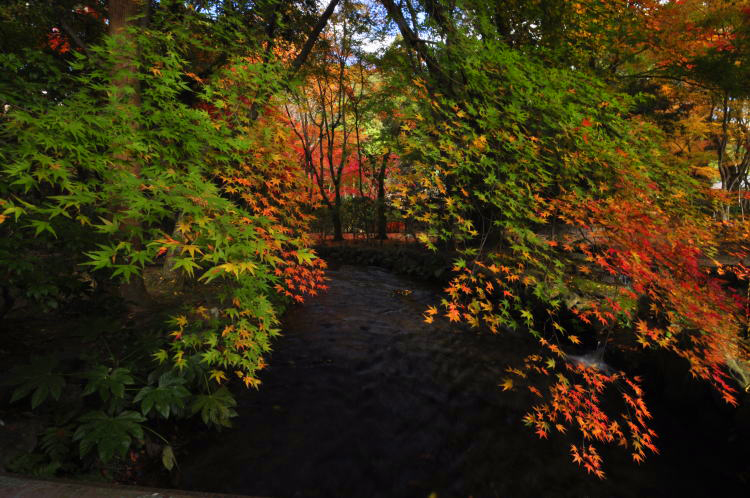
(336,218)
(338,233)
(382,235)
(120,14)
(127,99)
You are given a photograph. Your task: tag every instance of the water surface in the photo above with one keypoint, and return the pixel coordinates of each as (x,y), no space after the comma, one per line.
(363,399)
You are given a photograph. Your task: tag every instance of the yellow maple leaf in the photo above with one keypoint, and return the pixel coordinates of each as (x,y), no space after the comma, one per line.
(506,384)
(218,375)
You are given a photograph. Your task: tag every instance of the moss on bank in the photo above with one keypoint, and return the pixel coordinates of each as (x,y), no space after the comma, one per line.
(410,260)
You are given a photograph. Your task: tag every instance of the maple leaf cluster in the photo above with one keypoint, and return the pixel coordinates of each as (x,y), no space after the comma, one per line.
(272,184)
(259,247)
(58,42)
(574,399)
(693,311)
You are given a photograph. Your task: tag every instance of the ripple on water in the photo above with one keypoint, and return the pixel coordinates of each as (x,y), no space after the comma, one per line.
(364,399)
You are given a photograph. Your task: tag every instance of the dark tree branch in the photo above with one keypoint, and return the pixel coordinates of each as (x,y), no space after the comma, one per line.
(313,37)
(304,53)
(412,39)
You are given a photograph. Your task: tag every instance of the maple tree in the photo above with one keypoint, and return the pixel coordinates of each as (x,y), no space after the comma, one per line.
(325,142)
(696,52)
(326,114)
(142,162)
(197,137)
(549,186)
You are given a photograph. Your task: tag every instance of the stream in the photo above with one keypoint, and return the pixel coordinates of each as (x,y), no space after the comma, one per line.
(363,399)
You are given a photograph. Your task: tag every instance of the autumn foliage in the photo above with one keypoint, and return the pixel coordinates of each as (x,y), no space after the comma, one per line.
(587,162)
(565,210)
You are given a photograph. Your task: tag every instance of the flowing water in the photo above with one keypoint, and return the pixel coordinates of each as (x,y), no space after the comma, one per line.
(363,399)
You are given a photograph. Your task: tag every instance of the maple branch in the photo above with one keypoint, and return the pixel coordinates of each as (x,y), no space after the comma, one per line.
(649,74)
(313,37)
(413,14)
(301,57)
(411,38)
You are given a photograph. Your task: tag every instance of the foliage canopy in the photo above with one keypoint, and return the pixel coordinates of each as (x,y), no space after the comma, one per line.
(566,150)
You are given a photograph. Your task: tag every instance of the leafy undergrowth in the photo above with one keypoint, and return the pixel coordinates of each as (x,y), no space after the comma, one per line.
(85,396)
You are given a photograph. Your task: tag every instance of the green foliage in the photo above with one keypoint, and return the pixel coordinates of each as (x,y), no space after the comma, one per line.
(110,435)
(358,216)
(108,382)
(38,379)
(415,262)
(56,442)
(143,180)
(486,154)
(97,188)
(168,396)
(167,458)
(216,408)
(35,464)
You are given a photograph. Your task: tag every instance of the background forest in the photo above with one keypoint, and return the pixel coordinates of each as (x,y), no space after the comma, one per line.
(168,167)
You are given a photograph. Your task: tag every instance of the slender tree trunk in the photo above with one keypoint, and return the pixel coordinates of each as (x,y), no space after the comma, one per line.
(382,225)
(337,230)
(721,143)
(120,14)
(127,100)
(338,233)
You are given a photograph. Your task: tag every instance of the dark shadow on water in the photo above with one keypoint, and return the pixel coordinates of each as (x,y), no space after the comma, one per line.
(362,399)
